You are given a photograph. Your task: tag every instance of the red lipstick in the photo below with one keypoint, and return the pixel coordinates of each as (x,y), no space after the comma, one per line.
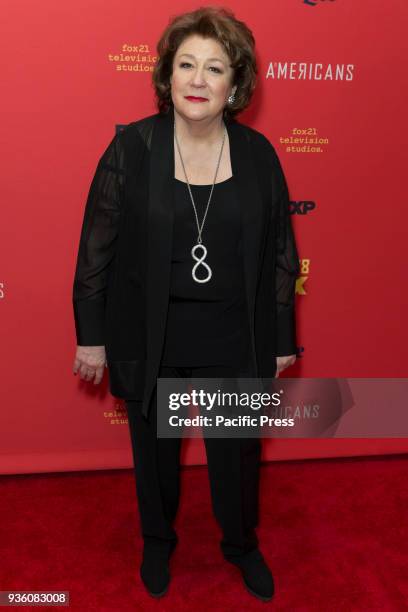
(195,99)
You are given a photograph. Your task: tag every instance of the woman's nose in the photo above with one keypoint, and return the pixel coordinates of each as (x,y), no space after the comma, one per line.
(198,77)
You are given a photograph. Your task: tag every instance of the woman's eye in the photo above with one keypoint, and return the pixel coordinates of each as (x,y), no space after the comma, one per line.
(211,67)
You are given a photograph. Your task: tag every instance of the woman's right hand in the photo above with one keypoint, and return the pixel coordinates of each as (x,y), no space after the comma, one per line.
(90,362)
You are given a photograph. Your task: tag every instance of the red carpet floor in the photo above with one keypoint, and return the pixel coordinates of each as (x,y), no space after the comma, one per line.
(334,532)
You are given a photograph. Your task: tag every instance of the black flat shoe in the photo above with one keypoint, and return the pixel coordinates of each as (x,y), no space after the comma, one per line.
(154,570)
(256,575)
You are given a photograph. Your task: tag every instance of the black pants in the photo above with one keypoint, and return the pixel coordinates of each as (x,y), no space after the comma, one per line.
(233,467)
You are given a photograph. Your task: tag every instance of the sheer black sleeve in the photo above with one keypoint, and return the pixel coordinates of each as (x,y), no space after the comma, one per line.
(287,263)
(97,244)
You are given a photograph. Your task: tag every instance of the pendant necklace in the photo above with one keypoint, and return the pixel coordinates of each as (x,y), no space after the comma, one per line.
(199,259)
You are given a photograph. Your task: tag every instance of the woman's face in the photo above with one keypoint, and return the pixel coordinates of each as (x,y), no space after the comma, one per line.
(201,81)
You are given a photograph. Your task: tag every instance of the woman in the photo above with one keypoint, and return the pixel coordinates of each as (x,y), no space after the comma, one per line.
(186,267)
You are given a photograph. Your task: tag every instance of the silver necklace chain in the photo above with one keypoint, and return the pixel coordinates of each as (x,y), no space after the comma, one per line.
(199,245)
(200,229)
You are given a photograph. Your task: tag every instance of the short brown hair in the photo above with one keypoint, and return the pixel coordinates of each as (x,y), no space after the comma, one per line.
(210,22)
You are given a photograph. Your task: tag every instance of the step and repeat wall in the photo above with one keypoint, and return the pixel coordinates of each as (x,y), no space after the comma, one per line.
(331,97)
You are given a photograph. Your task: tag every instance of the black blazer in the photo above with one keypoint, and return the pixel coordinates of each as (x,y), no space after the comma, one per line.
(121,284)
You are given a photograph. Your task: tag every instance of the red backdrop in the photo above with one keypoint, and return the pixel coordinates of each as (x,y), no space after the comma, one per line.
(331,73)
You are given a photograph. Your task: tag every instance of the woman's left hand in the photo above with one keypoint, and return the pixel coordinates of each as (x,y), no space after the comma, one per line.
(284,362)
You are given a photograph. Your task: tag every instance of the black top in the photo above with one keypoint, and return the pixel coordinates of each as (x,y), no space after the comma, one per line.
(207,323)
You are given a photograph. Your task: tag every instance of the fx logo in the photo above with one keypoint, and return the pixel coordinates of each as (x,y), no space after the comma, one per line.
(301,207)
(313,3)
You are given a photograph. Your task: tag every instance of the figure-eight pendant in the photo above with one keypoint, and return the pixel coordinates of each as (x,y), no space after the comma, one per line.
(200,262)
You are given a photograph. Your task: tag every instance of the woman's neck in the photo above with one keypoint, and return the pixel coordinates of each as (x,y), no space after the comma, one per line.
(196,133)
